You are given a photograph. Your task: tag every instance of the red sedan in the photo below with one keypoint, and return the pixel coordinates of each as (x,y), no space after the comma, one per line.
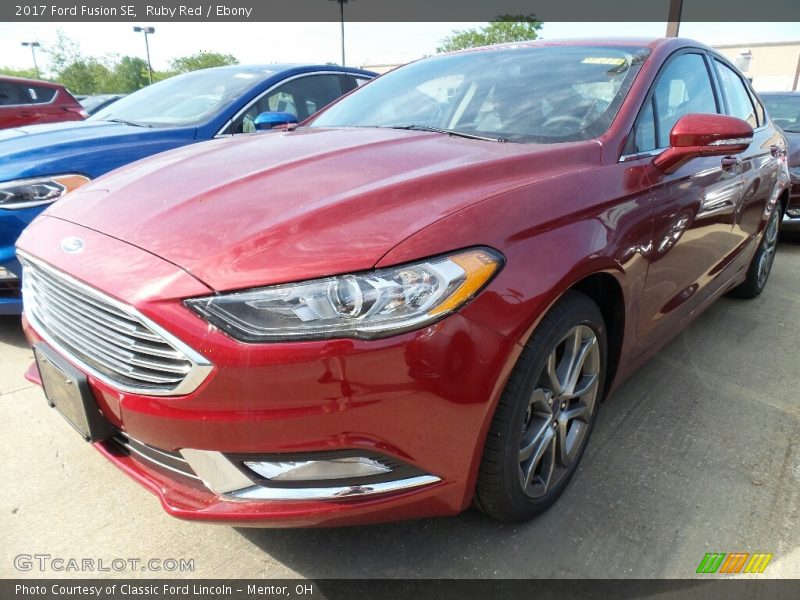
(30,102)
(416,300)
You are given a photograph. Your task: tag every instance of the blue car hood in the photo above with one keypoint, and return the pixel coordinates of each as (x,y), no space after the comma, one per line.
(91,148)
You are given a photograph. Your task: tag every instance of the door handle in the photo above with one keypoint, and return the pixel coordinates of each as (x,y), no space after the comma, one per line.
(730,163)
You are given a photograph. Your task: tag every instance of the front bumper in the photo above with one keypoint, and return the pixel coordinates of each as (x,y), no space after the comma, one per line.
(422,399)
(12,223)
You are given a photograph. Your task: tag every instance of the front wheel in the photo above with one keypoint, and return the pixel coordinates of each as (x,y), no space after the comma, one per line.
(546,413)
(761,265)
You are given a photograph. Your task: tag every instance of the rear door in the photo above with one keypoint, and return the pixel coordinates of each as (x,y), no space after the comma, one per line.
(15,107)
(43,104)
(694,207)
(759,164)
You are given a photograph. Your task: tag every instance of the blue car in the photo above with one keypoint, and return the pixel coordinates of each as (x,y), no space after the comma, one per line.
(41,163)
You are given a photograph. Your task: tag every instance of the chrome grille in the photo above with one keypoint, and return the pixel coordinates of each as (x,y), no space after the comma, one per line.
(110,339)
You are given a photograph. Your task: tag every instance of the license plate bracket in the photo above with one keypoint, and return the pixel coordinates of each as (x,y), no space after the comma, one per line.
(67,390)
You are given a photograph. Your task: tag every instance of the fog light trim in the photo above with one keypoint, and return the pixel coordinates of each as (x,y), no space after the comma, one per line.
(316,470)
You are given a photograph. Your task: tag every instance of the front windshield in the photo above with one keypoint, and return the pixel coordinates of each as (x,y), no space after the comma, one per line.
(183,100)
(518,94)
(784,111)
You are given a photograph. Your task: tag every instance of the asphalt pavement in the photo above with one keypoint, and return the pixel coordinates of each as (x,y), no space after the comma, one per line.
(698,452)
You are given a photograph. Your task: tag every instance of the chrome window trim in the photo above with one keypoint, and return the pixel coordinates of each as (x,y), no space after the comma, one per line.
(638,155)
(201,367)
(228,123)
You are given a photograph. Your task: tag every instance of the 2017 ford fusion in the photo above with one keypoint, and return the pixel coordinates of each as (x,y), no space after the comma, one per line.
(417,300)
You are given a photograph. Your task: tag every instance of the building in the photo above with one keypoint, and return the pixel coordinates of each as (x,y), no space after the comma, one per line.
(771,66)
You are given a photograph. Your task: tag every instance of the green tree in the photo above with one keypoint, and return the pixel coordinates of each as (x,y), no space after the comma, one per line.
(27,73)
(130,74)
(201,60)
(63,52)
(504,29)
(86,76)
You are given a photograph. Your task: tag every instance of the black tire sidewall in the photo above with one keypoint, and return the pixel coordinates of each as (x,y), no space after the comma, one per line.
(571,311)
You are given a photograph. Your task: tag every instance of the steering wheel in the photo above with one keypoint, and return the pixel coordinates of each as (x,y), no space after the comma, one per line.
(563,124)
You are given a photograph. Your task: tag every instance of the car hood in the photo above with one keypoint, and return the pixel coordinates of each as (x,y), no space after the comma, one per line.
(61,147)
(276,207)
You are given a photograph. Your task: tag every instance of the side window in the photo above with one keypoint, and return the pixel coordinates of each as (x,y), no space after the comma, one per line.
(738,100)
(11,93)
(683,88)
(41,95)
(302,97)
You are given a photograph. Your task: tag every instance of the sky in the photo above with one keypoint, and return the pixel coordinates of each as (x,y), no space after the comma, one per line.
(366,43)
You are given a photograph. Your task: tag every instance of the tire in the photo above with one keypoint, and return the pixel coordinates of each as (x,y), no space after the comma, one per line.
(538,433)
(760,267)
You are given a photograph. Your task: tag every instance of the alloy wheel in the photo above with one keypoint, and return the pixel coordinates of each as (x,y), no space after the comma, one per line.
(768,249)
(559,411)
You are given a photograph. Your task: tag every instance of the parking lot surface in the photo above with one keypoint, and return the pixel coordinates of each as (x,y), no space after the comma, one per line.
(698,452)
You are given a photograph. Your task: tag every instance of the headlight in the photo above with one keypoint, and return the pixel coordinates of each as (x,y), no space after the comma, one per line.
(368,305)
(26,193)
(794,172)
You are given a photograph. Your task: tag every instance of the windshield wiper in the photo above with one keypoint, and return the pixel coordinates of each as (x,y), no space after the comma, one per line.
(131,123)
(454,133)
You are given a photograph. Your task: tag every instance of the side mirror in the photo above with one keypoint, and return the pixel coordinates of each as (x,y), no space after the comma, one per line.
(703,135)
(270,120)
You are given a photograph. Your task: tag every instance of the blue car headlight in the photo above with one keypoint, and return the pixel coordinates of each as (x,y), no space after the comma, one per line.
(27,193)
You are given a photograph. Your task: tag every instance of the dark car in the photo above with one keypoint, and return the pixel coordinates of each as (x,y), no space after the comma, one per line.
(30,102)
(415,301)
(784,108)
(38,165)
(96,103)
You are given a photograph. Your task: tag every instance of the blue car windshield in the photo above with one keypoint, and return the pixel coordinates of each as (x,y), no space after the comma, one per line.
(183,100)
(519,94)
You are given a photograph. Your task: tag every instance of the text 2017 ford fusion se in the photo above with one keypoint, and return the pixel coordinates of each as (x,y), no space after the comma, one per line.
(417,300)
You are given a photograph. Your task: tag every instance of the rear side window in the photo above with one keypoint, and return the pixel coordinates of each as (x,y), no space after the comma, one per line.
(12,93)
(41,95)
(737,99)
(682,88)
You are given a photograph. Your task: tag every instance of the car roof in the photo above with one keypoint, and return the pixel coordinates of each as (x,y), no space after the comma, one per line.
(25,81)
(634,42)
(275,69)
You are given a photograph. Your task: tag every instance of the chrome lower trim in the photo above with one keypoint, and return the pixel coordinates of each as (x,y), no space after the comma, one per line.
(224,479)
(124,440)
(332,493)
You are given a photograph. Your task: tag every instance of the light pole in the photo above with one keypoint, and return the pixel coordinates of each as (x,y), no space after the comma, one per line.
(341,20)
(674,18)
(34,46)
(145,31)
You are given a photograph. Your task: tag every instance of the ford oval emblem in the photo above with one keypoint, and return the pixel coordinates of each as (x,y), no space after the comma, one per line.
(72,245)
